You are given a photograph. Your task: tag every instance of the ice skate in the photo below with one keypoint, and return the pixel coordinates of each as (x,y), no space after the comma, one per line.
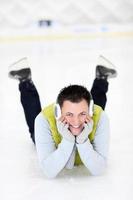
(20,70)
(105,69)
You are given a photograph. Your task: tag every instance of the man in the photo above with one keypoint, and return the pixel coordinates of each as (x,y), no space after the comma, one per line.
(65,133)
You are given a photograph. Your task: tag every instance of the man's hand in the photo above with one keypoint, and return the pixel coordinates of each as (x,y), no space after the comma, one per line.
(83,136)
(64,131)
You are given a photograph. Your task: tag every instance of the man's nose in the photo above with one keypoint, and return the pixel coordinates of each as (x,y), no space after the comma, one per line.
(76,121)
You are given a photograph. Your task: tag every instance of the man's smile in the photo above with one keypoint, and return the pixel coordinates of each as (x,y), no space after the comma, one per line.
(75,130)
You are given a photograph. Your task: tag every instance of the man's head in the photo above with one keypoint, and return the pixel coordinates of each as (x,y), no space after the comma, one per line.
(74,102)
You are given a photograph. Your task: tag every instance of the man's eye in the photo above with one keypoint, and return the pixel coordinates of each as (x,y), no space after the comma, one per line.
(83,114)
(69,114)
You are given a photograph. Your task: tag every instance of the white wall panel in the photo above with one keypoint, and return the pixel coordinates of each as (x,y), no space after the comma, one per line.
(23,13)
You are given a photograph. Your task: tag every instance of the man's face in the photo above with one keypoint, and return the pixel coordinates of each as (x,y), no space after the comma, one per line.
(75,115)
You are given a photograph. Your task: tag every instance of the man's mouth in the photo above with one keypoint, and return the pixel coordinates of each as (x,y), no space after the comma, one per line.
(75,126)
(76,129)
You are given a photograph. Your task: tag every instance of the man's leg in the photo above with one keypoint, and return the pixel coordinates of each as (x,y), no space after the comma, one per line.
(98,92)
(28,93)
(31,104)
(104,71)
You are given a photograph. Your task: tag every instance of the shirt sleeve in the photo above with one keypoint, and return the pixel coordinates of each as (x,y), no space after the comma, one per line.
(94,155)
(52,160)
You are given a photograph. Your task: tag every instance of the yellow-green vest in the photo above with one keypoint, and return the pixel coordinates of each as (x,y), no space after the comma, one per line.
(48,113)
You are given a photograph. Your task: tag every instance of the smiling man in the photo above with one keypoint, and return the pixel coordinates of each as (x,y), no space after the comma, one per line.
(66,133)
(71,138)
(74,102)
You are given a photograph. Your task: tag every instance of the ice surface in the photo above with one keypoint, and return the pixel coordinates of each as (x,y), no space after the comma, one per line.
(56,63)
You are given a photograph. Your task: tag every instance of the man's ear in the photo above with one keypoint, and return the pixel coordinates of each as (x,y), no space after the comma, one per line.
(57,111)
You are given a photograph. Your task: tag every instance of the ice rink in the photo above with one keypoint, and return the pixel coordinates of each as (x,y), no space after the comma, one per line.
(58,58)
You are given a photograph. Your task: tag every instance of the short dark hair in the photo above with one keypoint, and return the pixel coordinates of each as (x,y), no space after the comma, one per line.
(73,93)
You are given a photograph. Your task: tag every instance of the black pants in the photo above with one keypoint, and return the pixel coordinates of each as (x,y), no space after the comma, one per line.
(31,102)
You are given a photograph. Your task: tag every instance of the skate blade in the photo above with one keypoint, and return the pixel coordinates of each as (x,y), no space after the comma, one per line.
(20,64)
(105,62)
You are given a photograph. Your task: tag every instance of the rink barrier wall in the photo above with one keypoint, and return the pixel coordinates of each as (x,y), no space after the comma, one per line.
(56,37)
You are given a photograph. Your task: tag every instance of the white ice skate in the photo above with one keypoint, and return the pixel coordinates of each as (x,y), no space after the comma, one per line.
(20,70)
(105,69)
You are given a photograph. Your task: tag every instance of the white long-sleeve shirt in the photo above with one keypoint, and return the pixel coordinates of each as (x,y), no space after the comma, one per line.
(52,160)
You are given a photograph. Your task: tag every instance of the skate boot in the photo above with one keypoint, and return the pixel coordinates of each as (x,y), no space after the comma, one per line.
(105,69)
(20,70)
